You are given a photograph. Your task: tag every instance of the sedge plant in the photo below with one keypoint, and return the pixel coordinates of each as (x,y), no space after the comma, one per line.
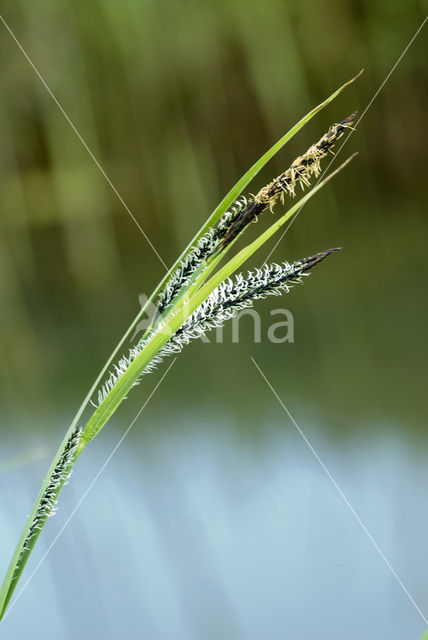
(199,292)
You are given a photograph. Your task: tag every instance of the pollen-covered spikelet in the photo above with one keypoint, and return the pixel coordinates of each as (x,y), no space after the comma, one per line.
(303,167)
(58,478)
(223,303)
(301,171)
(205,247)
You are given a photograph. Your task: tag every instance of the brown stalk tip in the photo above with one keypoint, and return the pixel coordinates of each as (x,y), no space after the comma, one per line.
(347,122)
(318,257)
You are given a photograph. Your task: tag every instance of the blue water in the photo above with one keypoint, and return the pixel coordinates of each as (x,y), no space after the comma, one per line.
(201,536)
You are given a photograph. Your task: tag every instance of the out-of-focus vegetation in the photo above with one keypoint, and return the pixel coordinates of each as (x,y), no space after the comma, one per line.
(176,100)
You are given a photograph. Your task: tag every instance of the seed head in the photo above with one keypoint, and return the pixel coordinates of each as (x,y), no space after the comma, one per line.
(301,171)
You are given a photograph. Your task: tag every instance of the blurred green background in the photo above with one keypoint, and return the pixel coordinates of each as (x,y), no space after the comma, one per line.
(176,100)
